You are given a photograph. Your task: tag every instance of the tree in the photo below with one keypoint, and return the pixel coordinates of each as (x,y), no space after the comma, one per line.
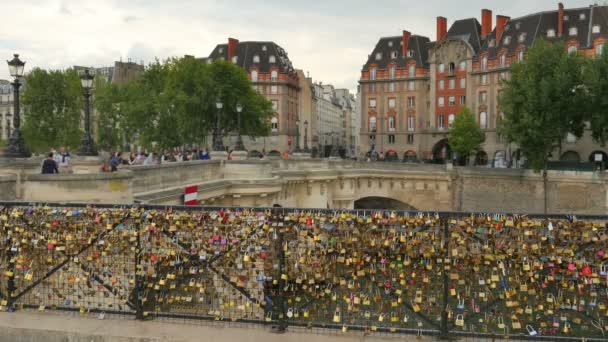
(107,101)
(53,103)
(465,136)
(543,102)
(596,87)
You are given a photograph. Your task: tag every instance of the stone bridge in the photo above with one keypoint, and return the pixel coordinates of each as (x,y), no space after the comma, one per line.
(313,183)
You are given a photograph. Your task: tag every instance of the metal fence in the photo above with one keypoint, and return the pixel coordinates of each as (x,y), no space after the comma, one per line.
(442,274)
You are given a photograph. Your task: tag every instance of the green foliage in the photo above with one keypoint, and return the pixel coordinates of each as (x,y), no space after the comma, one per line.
(53,100)
(596,87)
(543,101)
(465,136)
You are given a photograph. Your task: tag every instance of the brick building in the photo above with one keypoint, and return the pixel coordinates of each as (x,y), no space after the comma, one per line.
(273,75)
(412,87)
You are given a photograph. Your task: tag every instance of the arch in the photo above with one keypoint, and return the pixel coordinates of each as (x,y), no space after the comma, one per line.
(410,157)
(442,152)
(500,159)
(391,156)
(274,153)
(255,154)
(570,156)
(382,203)
(481,158)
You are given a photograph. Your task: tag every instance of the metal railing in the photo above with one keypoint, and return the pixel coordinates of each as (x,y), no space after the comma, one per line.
(423,273)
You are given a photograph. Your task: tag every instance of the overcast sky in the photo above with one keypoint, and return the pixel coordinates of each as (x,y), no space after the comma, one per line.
(328,38)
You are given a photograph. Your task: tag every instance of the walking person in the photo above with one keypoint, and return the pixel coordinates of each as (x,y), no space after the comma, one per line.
(49,166)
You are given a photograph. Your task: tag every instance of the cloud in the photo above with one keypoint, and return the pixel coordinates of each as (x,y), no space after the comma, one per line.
(130,19)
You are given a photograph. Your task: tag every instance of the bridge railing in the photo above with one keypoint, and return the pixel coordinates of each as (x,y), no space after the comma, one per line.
(444,274)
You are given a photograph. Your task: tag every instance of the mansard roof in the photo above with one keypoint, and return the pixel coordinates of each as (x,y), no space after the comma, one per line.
(245,51)
(387,45)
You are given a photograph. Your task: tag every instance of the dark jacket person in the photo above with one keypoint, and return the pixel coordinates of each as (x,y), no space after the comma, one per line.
(49,166)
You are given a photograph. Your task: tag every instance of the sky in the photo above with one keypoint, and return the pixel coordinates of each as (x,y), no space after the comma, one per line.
(330,39)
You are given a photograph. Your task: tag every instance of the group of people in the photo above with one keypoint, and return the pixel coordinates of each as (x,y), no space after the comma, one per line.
(57,162)
(150,158)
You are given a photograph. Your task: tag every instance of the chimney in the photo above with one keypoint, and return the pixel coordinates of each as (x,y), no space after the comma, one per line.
(405,39)
(231,47)
(501,21)
(560,19)
(442,28)
(486,22)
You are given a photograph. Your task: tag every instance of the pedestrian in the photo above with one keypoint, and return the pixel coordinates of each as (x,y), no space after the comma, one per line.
(132,159)
(114,162)
(63,159)
(49,166)
(205,155)
(149,160)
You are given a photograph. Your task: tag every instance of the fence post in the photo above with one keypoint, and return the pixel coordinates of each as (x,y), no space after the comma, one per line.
(445,334)
(139,310)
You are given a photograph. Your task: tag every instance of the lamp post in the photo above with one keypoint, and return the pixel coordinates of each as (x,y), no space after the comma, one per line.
(306,149)
(16,144)
(218,144)
(239,139)
(298,150)
(87,147)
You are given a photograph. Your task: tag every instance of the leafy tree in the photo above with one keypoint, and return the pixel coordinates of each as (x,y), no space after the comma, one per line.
(465,136)
(53,100)
(107,101)
(596,88)
(543,102)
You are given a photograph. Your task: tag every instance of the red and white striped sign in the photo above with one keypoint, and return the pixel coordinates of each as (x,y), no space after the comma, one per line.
(191,195)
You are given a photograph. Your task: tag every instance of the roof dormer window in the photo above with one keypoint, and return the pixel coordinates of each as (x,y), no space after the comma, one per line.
(235,59)
(582,16)
(507,27)
(390,44)
(264,48)
(522,37)
(492,43)
(256,59)
(394,54)
(551,33)
(517,26)
(573,31)
(596,28)
(209,60)
(566,18)
(410,53)
(507,40)
(378,56)
(220,50)
(272,59)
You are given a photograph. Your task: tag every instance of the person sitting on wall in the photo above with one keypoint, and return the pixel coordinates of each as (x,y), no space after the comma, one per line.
(49,166)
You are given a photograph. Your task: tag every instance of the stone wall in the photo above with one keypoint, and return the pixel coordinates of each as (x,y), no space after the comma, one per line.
(156,177)
(8,187)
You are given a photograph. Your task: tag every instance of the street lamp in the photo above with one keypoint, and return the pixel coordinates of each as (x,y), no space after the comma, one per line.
(87,147)
(298,150)
(239,139)
(218,144)
(16,144)
(306,150)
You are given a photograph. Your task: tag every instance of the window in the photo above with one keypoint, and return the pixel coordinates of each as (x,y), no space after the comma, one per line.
(271,59)
(484,63)
(463,83)
(411,102)
(221,50)
(492,43)
(411,85)
(451,68)
(441,84)
(483,97)
(391,138)
(596,28)
(390,43)
(372,139)
(411,123)
(566,17)
(483,79)
(394,55)
(412,70)
(235,59)
(520,56)
(502,76)
(391,123)
(391,103)
(452,83)
(410,139)
(254,75)
(263,47)
(463,99)
(452,101)
(483,117)
(517,26)
(410,53)
(450,120)
(599,49)
(441,68)
(378,56)
(275,105)
(372,103)
(507,40)
(274,89)
(582,16)
(572,49)
(274,124)
(372,88)
(522,38)
(573,31)
(550,33)
(372,123)
(391,72)
(441,101)
(391,87)
(440,122)
(256,59)
(274,76)
(372,74)
(463,66)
